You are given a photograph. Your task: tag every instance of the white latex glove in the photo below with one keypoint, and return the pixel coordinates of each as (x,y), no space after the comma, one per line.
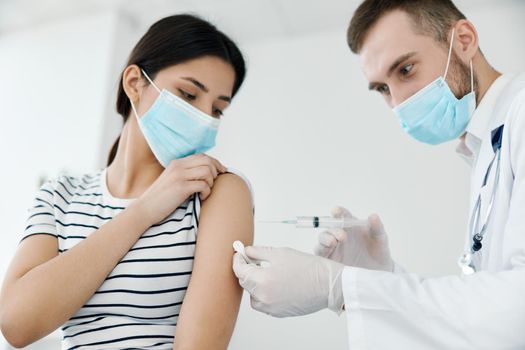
(365,247)
(292,283)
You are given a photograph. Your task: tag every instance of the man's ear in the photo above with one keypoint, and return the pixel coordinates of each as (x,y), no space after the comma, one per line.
(466,43)
(132,82)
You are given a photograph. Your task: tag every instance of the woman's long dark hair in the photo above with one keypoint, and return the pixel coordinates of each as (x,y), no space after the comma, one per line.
(173,40)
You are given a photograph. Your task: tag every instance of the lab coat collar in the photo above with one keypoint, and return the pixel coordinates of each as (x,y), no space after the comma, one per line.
(470,143)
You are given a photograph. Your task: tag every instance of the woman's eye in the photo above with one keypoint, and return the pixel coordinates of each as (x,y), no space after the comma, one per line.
(406,69)
(187,95)
(218,113)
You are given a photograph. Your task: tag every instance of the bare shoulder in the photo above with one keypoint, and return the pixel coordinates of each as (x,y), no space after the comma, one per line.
(228,211)
(230,188)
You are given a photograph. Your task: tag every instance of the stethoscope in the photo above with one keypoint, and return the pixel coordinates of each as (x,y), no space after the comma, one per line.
(465,261)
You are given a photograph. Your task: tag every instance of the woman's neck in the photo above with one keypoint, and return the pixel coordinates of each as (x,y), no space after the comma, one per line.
(135,167)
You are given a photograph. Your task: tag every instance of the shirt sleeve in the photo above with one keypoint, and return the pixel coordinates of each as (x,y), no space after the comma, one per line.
(483,311)
(41,215)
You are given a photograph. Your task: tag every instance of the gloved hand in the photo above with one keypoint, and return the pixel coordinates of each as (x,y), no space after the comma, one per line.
(292,284)
(365,247)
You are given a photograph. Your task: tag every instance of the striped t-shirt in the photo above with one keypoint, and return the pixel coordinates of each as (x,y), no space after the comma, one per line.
(138,304)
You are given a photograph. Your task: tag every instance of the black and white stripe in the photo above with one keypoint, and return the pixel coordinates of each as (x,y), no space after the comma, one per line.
(138,304)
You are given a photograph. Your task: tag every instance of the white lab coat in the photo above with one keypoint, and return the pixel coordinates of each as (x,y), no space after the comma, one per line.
(482,311)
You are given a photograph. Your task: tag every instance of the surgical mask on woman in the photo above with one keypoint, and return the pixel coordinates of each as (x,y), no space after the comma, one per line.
(174,128)
(434,115)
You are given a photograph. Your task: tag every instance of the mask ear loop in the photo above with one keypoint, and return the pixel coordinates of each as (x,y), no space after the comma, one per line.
(449,53)
(134,110)
(152,83)
(449,59)
(471,77)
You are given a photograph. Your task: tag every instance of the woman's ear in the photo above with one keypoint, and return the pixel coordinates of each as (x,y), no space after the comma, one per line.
(467,44)
(132,82)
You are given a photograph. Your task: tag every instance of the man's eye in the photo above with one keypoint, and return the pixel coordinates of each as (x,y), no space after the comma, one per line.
(382,89)
(405,70)
(187,95)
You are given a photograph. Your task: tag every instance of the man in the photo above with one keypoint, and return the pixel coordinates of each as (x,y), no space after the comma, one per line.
(423,57)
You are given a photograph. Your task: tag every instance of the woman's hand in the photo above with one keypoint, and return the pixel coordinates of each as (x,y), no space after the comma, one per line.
(182,178)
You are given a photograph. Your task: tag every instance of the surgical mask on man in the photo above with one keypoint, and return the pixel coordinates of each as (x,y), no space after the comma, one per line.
(434,115)
(174,128)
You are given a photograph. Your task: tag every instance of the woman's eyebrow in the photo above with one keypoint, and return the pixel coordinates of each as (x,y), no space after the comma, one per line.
(205,89)
(196,83)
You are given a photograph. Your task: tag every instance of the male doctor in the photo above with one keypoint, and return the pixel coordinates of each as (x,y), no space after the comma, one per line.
(423,57)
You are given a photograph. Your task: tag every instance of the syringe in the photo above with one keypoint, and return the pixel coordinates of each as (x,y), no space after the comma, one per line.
(321,222)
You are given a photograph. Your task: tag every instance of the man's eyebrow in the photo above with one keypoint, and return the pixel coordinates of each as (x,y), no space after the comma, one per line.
(399,60)
(373,85)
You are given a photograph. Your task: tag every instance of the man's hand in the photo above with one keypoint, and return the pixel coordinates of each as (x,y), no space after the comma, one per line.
(291,283)
(365,247)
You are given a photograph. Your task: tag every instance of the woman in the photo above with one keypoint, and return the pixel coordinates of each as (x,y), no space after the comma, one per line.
(108,256)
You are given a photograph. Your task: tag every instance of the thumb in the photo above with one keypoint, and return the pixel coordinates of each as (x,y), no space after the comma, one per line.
(240,267)
(259,253)
(340,212)
(377,230)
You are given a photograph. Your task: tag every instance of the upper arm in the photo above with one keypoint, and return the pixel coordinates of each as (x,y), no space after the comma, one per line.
(212,300)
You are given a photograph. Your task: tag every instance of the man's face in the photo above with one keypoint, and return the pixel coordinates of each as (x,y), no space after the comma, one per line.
(398,62)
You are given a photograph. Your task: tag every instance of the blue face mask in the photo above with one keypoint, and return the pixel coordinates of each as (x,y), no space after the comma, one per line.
(434,115)
(174,128)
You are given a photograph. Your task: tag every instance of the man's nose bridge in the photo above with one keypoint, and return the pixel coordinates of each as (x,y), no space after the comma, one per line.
(394,99)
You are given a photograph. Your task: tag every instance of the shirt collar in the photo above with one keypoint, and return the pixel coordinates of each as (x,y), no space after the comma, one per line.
(469,145)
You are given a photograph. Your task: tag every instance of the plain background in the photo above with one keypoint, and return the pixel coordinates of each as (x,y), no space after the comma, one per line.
(304,129)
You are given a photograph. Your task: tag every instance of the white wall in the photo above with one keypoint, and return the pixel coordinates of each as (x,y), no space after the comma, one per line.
(52,96)
(304,129)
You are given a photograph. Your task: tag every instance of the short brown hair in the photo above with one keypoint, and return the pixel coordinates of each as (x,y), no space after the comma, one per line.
(430,17)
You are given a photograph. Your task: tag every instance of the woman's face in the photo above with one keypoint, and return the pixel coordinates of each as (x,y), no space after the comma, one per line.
(206,83)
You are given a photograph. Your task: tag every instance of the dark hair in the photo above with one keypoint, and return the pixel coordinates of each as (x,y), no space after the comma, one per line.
(173,40)
(430,17)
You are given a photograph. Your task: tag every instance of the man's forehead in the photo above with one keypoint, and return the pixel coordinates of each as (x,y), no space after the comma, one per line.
(390,38)
(375,62)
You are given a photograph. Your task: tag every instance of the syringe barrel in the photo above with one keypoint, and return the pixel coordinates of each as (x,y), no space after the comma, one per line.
(328,222)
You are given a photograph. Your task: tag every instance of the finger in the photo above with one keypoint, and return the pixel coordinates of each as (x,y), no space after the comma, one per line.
(376,226)
(340,234)
(197,160)
(213,162)
(191,161)
(321,250)
(245,273)
(218,165)
(260,253)
(327,239)
(340,212)
(205,193)
(240,266)
(215,171)
(199,186)
(203,172)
